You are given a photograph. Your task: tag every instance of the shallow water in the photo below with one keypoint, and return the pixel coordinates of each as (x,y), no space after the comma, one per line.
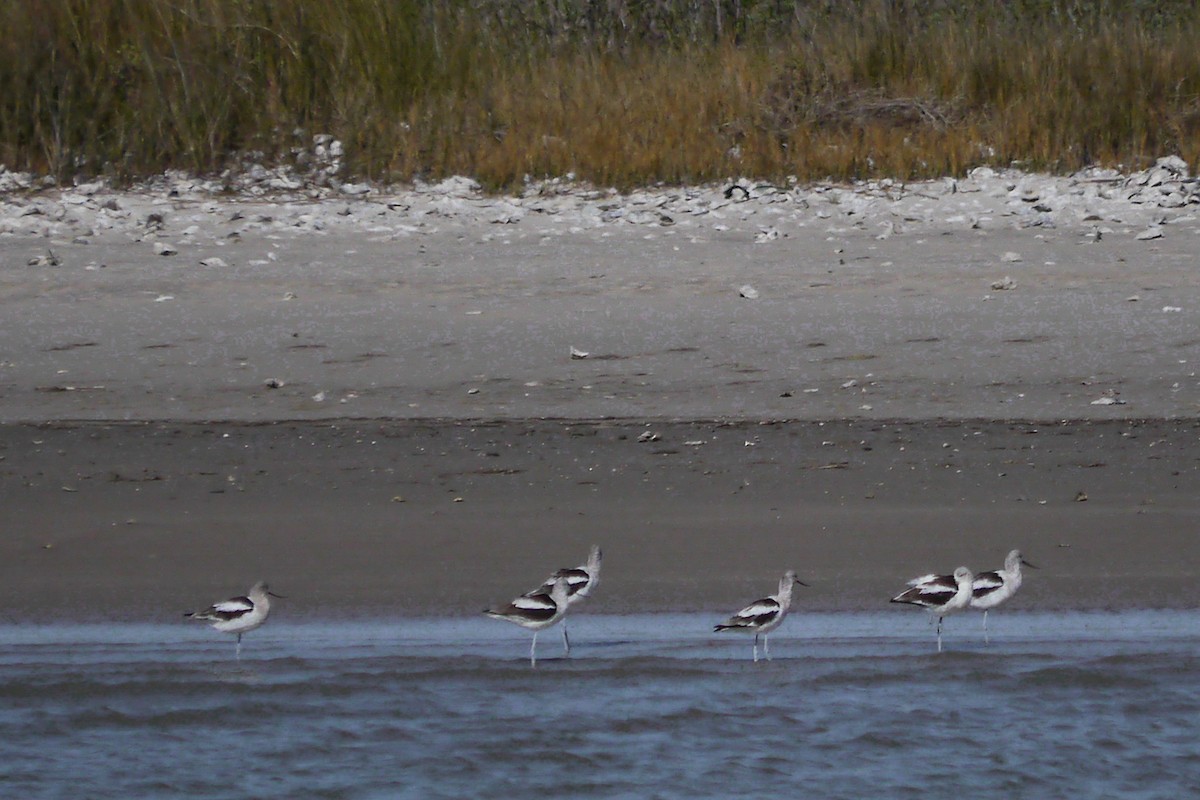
(852,706)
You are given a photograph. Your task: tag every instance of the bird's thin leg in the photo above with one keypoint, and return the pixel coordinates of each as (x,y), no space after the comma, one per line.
(566,638)
(939,634)
(986,640)
(767,646)
(533,651)
(756,648)
(239,647)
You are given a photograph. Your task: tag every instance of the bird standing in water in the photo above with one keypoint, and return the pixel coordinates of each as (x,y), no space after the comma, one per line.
(535,612)
(765,615)
(581,582)
(990,589)
(239,615)
(940,595)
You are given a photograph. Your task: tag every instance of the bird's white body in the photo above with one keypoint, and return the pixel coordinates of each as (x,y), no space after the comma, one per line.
(765,615)
(535,611)
(581,580)
(940,595)
(238,615)
(990,589)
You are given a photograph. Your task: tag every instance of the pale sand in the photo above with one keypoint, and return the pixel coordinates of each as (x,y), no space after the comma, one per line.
(428,312)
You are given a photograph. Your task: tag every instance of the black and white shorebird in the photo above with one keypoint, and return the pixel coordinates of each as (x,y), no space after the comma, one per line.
(239,615)
(765,615)
(535,612)
(990,589)
(940,595)
(581,582)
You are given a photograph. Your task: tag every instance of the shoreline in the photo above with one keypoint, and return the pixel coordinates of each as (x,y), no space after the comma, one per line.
(379,519)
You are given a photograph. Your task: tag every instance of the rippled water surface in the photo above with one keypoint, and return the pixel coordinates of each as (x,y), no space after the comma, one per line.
(852,706)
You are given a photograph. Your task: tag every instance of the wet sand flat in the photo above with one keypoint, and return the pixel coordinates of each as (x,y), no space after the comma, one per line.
(381,518)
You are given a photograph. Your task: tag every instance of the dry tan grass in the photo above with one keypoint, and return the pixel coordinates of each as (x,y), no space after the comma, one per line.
(625,94)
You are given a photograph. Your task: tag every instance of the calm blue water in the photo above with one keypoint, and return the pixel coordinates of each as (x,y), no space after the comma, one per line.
(853,706)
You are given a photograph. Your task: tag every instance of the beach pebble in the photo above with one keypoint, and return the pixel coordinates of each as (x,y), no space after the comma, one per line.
(1149,233)
(507,214)
(1004,284)
(214,261)
(46,260)
(89,189)
(1010,257)
(164,249)
(748,292)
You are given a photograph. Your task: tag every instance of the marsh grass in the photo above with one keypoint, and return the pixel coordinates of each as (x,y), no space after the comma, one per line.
(624,93)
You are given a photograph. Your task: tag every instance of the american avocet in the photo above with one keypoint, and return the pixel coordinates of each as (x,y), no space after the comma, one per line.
(239,614)
(535,611)
(990,589)
(941,595)
(581,582)
(763,616)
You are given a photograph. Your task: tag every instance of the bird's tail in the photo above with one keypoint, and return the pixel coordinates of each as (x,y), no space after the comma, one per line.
(910,597)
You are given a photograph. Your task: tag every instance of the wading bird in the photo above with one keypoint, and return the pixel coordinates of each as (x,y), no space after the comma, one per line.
(940,595)
(239,615)
(763,616)
(990,589)
(535,612)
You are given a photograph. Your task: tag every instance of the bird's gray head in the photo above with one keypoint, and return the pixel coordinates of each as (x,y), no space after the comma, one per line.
(262,588)
(1015,558)
(789,579)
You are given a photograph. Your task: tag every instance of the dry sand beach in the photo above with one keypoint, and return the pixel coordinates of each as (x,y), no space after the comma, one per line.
(408,401)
